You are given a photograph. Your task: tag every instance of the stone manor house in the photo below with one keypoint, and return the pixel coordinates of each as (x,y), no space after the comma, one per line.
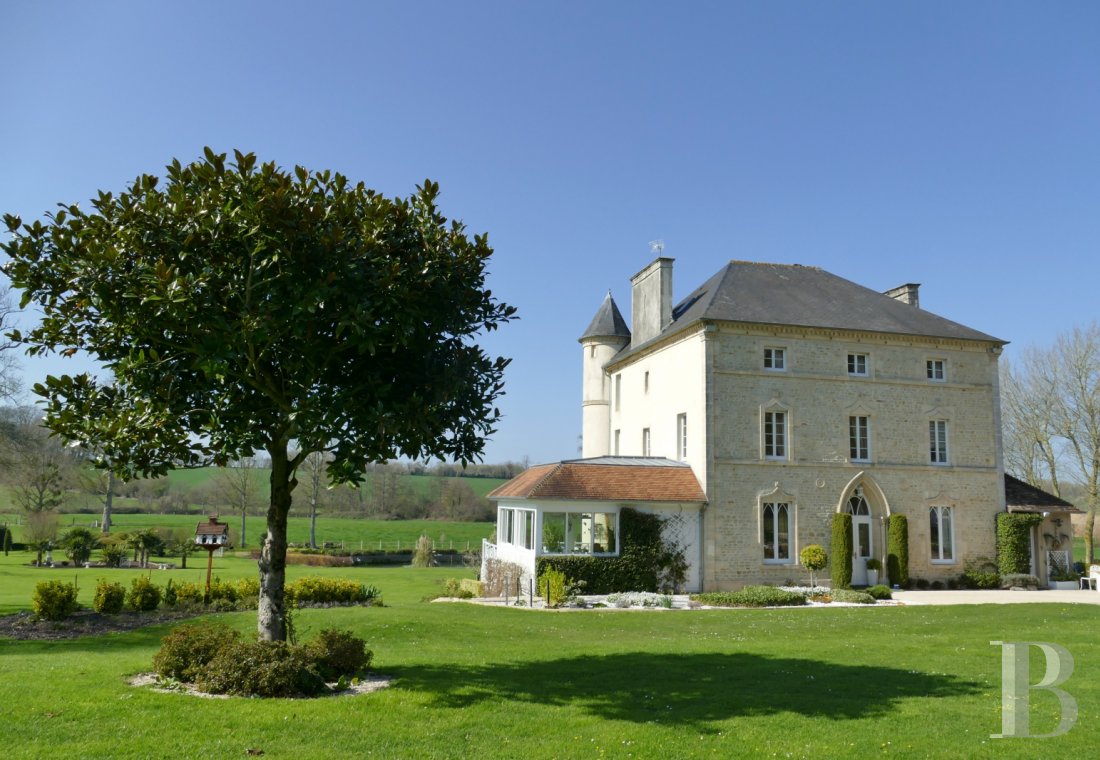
(767,400)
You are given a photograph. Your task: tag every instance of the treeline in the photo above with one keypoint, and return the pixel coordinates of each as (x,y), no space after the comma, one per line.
(43,476)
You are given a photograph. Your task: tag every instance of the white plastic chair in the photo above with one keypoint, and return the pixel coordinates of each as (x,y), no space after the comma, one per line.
(1092,580)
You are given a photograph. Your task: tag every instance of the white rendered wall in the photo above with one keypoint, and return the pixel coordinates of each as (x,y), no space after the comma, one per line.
(595,403)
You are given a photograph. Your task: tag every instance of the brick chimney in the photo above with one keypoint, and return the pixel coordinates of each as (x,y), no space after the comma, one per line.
(651,300)
(908,293)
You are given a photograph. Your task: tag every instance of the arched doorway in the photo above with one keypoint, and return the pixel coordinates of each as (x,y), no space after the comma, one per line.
(863,535)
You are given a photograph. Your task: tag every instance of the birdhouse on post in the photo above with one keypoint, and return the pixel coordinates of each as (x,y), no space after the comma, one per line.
(212,535)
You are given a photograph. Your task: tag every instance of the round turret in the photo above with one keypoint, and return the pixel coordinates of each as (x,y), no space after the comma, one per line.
(605,337)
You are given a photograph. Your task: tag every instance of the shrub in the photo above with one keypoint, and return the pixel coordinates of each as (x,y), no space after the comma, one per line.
(1014,541)
(554,587)
(842,551)
(752,596)
(189,593)
(314,589)
(852,597)
(874,564)
(79,544)
(248,587)
(113,554)
(453,587)
(109,597)
(170,598)
(937,585)
(262,669)
(338,653)
(629,599)
(1020,580)
(54,600)
(422,555)
(922,584)
(897,551)
(980,572)
(186,650)
(880,592)
(814,558)
(144,595)
(646,561)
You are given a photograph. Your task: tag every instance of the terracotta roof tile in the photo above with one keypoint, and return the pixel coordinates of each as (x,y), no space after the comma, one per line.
(596,480)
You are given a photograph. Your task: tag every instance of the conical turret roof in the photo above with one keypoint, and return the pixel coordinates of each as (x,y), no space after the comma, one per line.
(608,322)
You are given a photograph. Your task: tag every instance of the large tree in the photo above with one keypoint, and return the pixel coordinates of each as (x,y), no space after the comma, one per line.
(244,308)
(1051,404)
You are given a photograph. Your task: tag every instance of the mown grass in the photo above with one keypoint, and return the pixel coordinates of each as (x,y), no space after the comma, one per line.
(505,683)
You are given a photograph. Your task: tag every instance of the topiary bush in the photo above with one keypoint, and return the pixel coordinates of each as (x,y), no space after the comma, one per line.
(109,597)
(813,558)
(752,596)
(336,653)
(54,600)
(186,650)
(646,561)
(897,551)
(1014,541)
(880,592)
(144,595)
(842,551)
(261,669)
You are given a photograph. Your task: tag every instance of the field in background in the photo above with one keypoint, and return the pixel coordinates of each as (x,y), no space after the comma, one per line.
(347,532)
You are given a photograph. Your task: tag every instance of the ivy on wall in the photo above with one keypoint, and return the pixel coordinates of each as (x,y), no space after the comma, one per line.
(1014,541)
(646,561)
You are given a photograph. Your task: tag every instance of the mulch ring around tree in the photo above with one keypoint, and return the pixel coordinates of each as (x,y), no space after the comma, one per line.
(362,686)
(24,626)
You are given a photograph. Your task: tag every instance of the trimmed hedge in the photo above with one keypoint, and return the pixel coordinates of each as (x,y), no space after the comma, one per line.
(1014,541)
(851,596)
(645,562)
(897,551)
(841,566)
(751,596)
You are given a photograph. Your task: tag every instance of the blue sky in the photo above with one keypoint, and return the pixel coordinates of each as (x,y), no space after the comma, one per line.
(951,144)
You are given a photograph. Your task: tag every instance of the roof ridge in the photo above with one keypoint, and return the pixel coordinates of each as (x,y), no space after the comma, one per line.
(542,481)
(774,264)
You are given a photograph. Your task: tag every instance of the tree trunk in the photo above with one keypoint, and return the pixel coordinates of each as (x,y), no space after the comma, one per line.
(107,502)
(271,620)
(243,511)
(1090,524)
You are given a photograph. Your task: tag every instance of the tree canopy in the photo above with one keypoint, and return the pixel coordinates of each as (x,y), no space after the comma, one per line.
(240,307)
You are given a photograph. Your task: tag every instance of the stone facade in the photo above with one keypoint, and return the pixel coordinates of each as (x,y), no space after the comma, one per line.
(704,395)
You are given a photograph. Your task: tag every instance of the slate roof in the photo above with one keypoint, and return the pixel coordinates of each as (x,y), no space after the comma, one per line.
(608,322)
(1023,497)
(605,479)
(792,294)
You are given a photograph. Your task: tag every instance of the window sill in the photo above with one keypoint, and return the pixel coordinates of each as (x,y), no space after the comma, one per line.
(943,562)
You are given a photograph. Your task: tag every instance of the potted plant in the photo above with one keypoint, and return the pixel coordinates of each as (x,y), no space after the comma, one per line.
(873,568)
(1064,580)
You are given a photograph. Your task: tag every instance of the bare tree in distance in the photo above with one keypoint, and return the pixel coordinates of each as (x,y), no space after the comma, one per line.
(238,487)
(1057,390)
(11,384)
(1029,400)
(315,468)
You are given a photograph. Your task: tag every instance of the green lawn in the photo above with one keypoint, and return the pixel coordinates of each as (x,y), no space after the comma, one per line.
(505,683)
